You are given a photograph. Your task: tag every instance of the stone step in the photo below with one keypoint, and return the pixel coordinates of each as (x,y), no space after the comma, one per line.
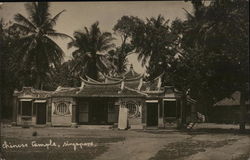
(105,127)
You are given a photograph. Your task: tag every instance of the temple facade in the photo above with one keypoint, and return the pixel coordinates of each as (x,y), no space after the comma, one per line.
(148,104)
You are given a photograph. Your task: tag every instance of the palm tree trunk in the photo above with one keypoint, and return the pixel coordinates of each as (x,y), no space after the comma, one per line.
(92,68)
(120,63)
(242,110)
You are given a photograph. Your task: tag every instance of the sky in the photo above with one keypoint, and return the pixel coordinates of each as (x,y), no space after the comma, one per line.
(81,14)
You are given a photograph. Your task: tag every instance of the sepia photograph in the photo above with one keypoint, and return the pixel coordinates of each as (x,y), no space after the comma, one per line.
(124,80)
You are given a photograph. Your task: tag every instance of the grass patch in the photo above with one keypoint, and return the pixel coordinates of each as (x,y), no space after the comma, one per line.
(180,150)
(59,151)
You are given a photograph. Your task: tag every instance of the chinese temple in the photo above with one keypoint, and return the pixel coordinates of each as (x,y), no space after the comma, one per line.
(148,104)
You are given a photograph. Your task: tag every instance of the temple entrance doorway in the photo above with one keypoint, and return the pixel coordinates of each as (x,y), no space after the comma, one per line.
(98,112)
(41,113)
(152,114)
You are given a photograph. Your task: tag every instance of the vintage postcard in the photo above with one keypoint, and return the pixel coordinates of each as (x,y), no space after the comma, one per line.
(125,80)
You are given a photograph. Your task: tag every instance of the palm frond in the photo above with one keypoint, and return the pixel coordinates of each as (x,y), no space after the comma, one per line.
(55,18)
(50,23)
(58,48)
(59,35)
(31,8)
(71,44)
(24,21)
(40,13)
(43,11)
(188,14)
(23,28)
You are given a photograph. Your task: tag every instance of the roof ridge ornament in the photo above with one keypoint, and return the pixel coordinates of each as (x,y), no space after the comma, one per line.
(58,88)
(140,84)
(131,89)
(159,83)
(82,85)
(122,84)
(131,66)
(132,69)
(99,84)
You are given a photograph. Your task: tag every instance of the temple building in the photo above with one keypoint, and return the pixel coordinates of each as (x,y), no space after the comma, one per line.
(148,104)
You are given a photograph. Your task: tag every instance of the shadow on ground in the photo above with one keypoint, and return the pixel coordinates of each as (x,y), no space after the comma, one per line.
(181,150)
(199,131)
(216,131)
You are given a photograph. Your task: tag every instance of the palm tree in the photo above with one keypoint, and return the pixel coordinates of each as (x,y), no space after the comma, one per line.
(154,44)
(118,57)
(89,55)
(37,51)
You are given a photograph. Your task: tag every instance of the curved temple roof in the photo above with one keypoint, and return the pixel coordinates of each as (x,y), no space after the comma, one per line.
(29,92)
(130,75)
(130,84)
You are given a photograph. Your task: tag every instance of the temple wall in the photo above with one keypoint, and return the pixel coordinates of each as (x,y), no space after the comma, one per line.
(30,122)
(61,111)
(135,115)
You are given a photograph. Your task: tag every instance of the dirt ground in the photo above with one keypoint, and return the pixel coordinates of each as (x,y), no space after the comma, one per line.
(205,142)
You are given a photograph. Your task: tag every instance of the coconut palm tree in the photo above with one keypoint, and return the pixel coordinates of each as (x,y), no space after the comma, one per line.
(118,57)
(89,56)
(154,45)
(37,51)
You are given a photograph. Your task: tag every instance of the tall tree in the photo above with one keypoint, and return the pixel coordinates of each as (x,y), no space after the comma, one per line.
(91,47)
(118,57)
(63,76)
(126,27)
(215,60)
(37,51)
(6,76)
(9,80)
(154,43)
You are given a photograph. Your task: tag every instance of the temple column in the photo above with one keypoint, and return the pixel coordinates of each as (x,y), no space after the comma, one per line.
(160,114)
(183,111)
(74,121)
(49,111)
(14,111)
(143,114)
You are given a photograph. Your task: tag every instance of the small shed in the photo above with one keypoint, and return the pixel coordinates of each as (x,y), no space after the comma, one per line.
(227,110)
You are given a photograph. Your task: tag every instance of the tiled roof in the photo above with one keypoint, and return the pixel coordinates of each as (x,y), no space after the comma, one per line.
(65,92)
(129,78)
(233,101)
(32,93)
(152,86)
(132,84)
(107,91)
(93,88)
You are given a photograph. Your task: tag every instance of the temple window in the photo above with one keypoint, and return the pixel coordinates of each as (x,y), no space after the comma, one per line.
(62,108)
(132,108)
